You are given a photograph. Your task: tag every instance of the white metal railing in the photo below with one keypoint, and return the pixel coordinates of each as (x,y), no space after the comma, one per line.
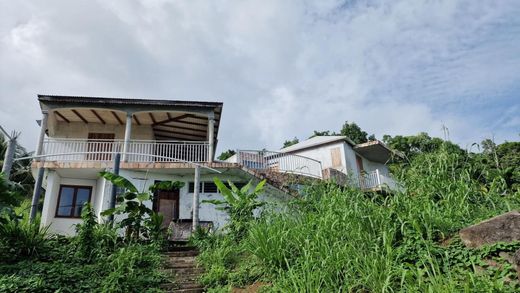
(64,149)
(279,162)
(376,179)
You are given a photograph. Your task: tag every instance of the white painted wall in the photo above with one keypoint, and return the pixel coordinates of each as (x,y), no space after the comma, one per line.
(81,130)
(58,225)
(323,154)
(348,158)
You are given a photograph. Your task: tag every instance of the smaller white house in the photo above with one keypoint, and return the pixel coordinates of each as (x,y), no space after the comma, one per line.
(362,164)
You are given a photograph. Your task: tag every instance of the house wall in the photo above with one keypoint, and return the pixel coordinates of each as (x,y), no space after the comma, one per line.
(348,158)
(58,225)
(323,154)
(207,212)
(81,130)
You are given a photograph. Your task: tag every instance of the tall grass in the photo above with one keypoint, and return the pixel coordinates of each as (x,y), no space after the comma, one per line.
(338,239)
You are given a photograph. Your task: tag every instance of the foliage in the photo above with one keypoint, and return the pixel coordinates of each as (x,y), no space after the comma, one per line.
(226,155)
(9,198)
(21,171)
(19,238)
(239,203)
(291,142)
(85,239)
(131,203)
(355,133)
(338,239)
(413,145)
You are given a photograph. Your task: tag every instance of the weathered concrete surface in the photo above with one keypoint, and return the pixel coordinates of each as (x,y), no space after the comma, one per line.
(503,228)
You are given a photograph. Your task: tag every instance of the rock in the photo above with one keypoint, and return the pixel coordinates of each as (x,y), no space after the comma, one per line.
(503,228)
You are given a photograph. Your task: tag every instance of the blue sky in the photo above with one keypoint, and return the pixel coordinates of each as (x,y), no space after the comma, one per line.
(282,68)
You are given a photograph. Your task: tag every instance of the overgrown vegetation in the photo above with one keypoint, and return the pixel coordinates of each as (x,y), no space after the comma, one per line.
(96,260)
(338,239)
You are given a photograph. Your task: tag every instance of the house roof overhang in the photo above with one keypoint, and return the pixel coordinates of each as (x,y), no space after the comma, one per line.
(376,151)
(170,119)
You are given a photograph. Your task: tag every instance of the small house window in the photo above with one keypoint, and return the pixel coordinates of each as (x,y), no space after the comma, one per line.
(71,199)
(210,187)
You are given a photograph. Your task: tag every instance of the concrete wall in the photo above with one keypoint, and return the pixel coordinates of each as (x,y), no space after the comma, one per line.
(81,130)
(348,158)
(323,154)
(58,225)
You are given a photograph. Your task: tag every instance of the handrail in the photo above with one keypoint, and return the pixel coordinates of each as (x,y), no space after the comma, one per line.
(265,160)
(138,150)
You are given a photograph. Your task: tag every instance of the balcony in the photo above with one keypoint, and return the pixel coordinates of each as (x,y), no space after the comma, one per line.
(268,161)
(376,180)
(138,151)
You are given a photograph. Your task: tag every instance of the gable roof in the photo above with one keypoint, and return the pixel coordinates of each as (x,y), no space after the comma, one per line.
(316,141)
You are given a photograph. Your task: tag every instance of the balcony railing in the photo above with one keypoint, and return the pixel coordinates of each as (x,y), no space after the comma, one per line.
(279,162)
(376,180)
(138,150)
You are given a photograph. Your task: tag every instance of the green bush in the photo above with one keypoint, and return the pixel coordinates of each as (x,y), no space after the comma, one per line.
(336,239)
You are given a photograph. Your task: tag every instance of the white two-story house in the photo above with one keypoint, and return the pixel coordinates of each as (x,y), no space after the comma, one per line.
(156,140)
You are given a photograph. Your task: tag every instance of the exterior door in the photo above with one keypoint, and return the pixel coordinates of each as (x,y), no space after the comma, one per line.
(166,202)
(99,146)
(359,162)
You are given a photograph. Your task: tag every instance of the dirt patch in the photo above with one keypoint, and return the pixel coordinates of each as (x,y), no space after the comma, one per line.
(253,288)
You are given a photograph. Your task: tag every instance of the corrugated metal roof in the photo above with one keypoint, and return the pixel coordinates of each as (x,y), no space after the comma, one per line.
(126,101)
(316,141)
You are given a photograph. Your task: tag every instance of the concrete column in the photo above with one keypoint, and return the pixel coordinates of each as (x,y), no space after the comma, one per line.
(128,132)
(43,129)
(211,136)
(36,194)
(195,206)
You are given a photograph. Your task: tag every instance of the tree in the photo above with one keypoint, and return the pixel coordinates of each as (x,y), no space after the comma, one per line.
(21,173)
(289,143)
(322,133)
(413,145)
(226,155)
(355,133)
(239,203)
(132,204)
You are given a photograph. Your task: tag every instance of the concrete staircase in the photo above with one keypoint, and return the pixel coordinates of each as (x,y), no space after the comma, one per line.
(182,267)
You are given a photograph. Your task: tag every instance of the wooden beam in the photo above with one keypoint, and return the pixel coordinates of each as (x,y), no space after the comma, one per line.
(152,117)
(181,127)
(98,117)
(179,133)
(117,117)
(171,119)
(136,120)
(61,116)
(79,115)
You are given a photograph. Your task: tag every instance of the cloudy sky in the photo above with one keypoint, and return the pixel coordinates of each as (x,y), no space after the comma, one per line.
(282,68)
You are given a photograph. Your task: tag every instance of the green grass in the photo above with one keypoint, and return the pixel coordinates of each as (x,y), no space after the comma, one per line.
(337,239)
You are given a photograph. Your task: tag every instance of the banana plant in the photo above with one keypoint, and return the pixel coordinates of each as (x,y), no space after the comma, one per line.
(132,203)
(239,204)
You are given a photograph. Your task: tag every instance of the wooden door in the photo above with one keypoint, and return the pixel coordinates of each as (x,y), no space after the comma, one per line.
(166,202)
(335,155)
(99,146)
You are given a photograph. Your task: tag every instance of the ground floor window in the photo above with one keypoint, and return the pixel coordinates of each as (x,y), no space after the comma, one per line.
(71,199)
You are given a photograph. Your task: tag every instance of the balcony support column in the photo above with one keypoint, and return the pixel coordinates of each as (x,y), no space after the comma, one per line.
(43,129)
(195,205)
(41,171)
(211,136)
(128,131)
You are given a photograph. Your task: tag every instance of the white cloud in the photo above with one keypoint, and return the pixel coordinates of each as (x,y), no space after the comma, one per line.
(282,68)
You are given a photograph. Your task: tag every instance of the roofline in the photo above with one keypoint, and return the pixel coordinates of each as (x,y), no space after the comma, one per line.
(342,138)
(378,142)
(125,101)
